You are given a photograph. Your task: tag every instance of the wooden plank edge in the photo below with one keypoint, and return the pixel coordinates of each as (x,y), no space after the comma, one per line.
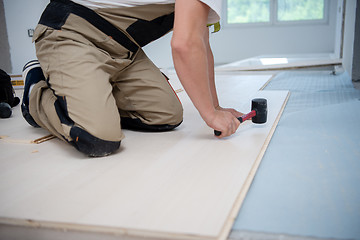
(287,66)
(43,139)
(134,234)
(224,233)
(267,82)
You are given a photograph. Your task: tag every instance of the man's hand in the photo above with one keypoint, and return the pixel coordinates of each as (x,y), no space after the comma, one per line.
(224,121)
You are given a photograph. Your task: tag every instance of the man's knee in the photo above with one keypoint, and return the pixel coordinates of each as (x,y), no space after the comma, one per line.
(91,145)
(172,113)
(164,117)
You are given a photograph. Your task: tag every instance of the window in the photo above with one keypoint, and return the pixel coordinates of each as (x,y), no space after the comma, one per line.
(299,10)
(274,11)
(248,11)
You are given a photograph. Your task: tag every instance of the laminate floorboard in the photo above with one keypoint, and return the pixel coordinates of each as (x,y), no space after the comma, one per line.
(183,184)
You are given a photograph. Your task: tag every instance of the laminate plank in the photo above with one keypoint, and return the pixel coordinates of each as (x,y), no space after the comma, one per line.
(183,184)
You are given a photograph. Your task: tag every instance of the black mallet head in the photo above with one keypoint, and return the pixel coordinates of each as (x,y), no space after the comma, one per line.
(260,107)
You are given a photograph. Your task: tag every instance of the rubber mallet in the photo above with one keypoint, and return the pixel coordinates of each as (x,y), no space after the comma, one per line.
(258,113)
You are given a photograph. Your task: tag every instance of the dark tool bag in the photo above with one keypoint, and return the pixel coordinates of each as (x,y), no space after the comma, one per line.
(7,93)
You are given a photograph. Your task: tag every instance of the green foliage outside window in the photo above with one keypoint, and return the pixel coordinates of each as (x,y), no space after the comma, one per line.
(257,11)
(297,10)
(248,11)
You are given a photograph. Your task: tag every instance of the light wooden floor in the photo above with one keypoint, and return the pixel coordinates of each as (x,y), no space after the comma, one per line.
(184,184)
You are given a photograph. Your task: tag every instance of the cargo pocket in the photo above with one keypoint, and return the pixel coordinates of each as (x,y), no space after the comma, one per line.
(114,49)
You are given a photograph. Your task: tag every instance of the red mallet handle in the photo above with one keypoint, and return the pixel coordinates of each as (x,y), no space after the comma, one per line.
(247,116)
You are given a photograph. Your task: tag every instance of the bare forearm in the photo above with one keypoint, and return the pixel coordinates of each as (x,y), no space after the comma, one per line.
(211,74)
(191,64)
(190,54)
(194,64)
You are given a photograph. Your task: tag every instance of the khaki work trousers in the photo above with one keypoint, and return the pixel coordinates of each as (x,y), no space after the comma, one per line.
(94,83)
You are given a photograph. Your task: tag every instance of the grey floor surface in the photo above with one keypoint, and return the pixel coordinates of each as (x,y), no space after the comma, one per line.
(307,186)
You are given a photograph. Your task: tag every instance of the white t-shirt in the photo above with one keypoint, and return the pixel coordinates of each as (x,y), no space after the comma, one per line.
(214,15)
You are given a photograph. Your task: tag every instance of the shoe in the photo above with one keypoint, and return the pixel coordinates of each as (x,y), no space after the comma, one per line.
(5,110)
(32,74)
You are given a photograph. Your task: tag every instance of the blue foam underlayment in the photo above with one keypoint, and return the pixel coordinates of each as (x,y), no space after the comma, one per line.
(308,183)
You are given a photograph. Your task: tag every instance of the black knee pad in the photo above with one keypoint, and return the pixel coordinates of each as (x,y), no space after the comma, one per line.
(91,145)
(137,125)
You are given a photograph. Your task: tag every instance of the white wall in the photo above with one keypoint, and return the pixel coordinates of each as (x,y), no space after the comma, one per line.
(230,44)
(20,16)
(349,33)
(338,30)
(5,62)
(356,57)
